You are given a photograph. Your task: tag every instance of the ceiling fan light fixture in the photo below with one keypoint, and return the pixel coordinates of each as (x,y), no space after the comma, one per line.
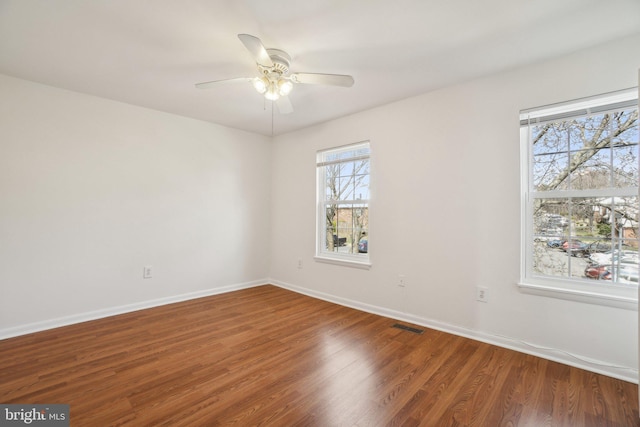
(272,93)
(284,87)
(261,84)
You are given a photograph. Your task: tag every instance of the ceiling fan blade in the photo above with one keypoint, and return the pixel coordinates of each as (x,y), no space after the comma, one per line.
(255,46)
(323,79)
(284,105)
(207,85)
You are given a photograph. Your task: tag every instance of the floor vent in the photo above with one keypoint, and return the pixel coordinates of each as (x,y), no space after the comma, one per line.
(408,328)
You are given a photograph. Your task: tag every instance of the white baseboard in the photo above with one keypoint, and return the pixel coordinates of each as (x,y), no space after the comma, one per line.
(624,373)
(556,355)
(113,311)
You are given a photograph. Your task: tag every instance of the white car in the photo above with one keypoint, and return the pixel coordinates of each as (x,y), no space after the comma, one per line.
(615,257)
(628,273)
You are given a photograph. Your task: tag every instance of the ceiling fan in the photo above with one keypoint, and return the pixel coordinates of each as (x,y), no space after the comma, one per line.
(274,80)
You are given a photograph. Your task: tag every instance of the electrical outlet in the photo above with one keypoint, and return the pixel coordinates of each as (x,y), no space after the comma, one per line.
(401,281)
(147,272)
(482,294)
(299,262)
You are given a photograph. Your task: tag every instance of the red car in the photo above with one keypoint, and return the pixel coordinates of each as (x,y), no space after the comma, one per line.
(599,272)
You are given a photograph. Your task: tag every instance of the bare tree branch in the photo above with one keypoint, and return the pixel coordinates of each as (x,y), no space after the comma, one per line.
(593,145)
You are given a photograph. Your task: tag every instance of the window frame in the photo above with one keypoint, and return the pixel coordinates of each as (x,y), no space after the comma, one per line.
(358,260)
(576,289)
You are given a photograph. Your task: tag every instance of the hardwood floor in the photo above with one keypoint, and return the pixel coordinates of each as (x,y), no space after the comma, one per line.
(267,356)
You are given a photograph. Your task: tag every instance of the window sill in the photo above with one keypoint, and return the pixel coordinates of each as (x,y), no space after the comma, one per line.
(364,265)
(626,298)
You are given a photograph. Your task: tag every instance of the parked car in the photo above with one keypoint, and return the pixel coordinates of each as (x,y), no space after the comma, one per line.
(615,256)
(557,220)
(574,247)
(628,273)
(590,248)
(556,243)
(546,234)
(622,273)
(339,241)
(363,246)
(598,272)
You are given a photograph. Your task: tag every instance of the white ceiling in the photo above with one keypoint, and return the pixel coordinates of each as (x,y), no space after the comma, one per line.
(152,52)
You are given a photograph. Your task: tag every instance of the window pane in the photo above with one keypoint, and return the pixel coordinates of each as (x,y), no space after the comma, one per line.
(619,264)
(550,219)
(625,166)
(361,191)
(345,188)
(550,171)
(550,260)
(585,217)
(624,126)
(621,213)
(360,215)
(361,180)
(549,138)
(344,229)
(563,258)
(589,132)
(331,173)
(331,243)
(329,193)
(591,169)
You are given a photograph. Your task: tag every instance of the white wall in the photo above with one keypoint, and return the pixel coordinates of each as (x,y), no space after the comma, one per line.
(92,190)
(445,213)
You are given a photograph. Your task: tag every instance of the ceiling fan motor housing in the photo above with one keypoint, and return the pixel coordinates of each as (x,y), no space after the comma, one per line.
(281,60)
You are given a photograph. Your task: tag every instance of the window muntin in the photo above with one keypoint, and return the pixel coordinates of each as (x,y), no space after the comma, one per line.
(581,193)
(343,203)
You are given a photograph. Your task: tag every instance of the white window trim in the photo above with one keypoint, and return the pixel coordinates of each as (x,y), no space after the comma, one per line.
(365,265)
(341,259)
(614,295)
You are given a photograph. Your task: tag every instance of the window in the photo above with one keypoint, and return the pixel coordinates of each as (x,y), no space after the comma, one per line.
(343,205)
(580,197)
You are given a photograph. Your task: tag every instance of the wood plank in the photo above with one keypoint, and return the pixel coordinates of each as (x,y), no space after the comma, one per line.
(268,356)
